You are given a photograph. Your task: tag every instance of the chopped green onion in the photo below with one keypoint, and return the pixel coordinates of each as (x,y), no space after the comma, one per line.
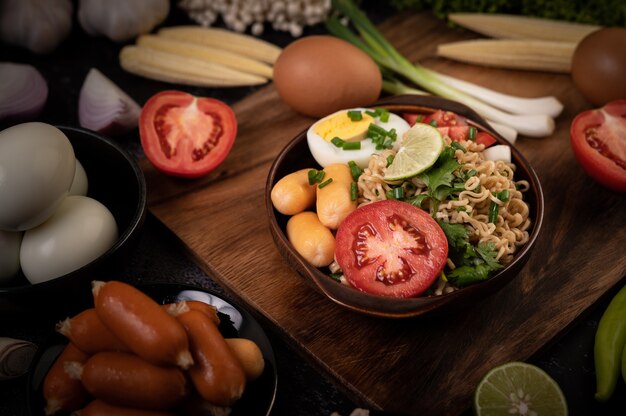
(503,195)
(472,133)
(461,209)
(395,193)
(326,182)
(338,142)
(352,146)
(355,115)
(315,176)
(419,118)
(354,191)
(433,123)
(457,146)
(389,160)
(493,212)
(355,170)
(336,276)
(371,113)
(374,130)
(383,115)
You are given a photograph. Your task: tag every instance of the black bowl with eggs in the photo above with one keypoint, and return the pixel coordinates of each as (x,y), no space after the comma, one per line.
(116,181)
(296,156)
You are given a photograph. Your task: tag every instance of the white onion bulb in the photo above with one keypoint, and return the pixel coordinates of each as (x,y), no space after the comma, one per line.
(23,92)
(104,107)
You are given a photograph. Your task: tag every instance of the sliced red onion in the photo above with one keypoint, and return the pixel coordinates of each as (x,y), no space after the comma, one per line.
(104,107)
(23,92)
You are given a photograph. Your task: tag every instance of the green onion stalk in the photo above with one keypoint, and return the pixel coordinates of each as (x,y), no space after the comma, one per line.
(529,116)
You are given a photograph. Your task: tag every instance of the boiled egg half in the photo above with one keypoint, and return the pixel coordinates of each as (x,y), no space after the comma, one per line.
(348,135)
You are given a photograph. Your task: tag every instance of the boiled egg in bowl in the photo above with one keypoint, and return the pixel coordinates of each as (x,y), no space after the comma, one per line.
(354,134)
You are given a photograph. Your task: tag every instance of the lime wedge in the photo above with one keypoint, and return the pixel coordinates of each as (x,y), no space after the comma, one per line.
(519,389)
(418,151)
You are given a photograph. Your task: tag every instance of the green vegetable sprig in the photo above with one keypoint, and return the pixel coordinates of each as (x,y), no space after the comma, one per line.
(529,116)
(473,263)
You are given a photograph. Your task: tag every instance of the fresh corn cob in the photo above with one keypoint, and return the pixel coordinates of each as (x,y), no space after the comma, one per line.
(169,67)
(206,53)
(220,38)
(522,27)
(516,54)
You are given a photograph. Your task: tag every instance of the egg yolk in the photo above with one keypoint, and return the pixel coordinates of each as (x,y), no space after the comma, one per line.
(340,125)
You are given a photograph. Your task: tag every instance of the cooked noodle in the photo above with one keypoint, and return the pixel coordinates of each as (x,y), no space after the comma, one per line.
(471,208)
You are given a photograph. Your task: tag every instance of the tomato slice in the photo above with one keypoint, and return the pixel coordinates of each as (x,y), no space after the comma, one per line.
(598,139)
(445,119)
(186,136)
(391,248)
(485,138)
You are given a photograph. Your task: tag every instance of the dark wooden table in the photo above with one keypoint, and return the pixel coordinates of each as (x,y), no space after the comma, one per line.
(547,315)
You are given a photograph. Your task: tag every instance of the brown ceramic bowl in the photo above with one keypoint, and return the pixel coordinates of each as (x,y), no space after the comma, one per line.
(296,156)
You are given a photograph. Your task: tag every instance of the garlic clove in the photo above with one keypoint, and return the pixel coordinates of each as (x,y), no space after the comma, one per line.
(15,357)
(121,20)
(38,25)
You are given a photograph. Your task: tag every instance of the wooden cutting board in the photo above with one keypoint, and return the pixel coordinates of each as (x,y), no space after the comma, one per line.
(420,366)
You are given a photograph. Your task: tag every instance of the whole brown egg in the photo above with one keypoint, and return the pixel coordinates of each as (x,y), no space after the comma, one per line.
(599,66)
(317,75)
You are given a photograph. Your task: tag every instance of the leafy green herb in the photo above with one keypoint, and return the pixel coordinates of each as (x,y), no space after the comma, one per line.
(473,263)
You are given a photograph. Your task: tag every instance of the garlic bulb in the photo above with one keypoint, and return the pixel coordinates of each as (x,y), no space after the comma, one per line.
(15,357)
(38,25)
(121,20)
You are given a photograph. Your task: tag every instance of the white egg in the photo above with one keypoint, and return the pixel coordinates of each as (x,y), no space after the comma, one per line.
(78,232)
(9,254)
(326,153)
(80,184)
(37,166)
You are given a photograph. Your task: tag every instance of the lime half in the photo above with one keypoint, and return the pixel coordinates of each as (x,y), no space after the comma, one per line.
(519,389)
(418,151)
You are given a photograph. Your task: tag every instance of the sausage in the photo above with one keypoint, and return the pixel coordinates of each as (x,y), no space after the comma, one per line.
(216,374)
(89,334)
(333,200)
(293,194)
(142,324)
(100,408)
(249,355)
(126,380)
(61,392)
(312,239)
(177,308)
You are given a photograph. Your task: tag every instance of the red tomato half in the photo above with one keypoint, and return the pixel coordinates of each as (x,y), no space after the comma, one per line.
(598,138)
(186,136)
(391,248)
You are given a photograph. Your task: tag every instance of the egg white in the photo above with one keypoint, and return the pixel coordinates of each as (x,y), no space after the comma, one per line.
(326,153)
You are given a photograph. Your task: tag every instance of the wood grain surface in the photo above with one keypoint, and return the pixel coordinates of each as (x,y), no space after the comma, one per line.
(420,366)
